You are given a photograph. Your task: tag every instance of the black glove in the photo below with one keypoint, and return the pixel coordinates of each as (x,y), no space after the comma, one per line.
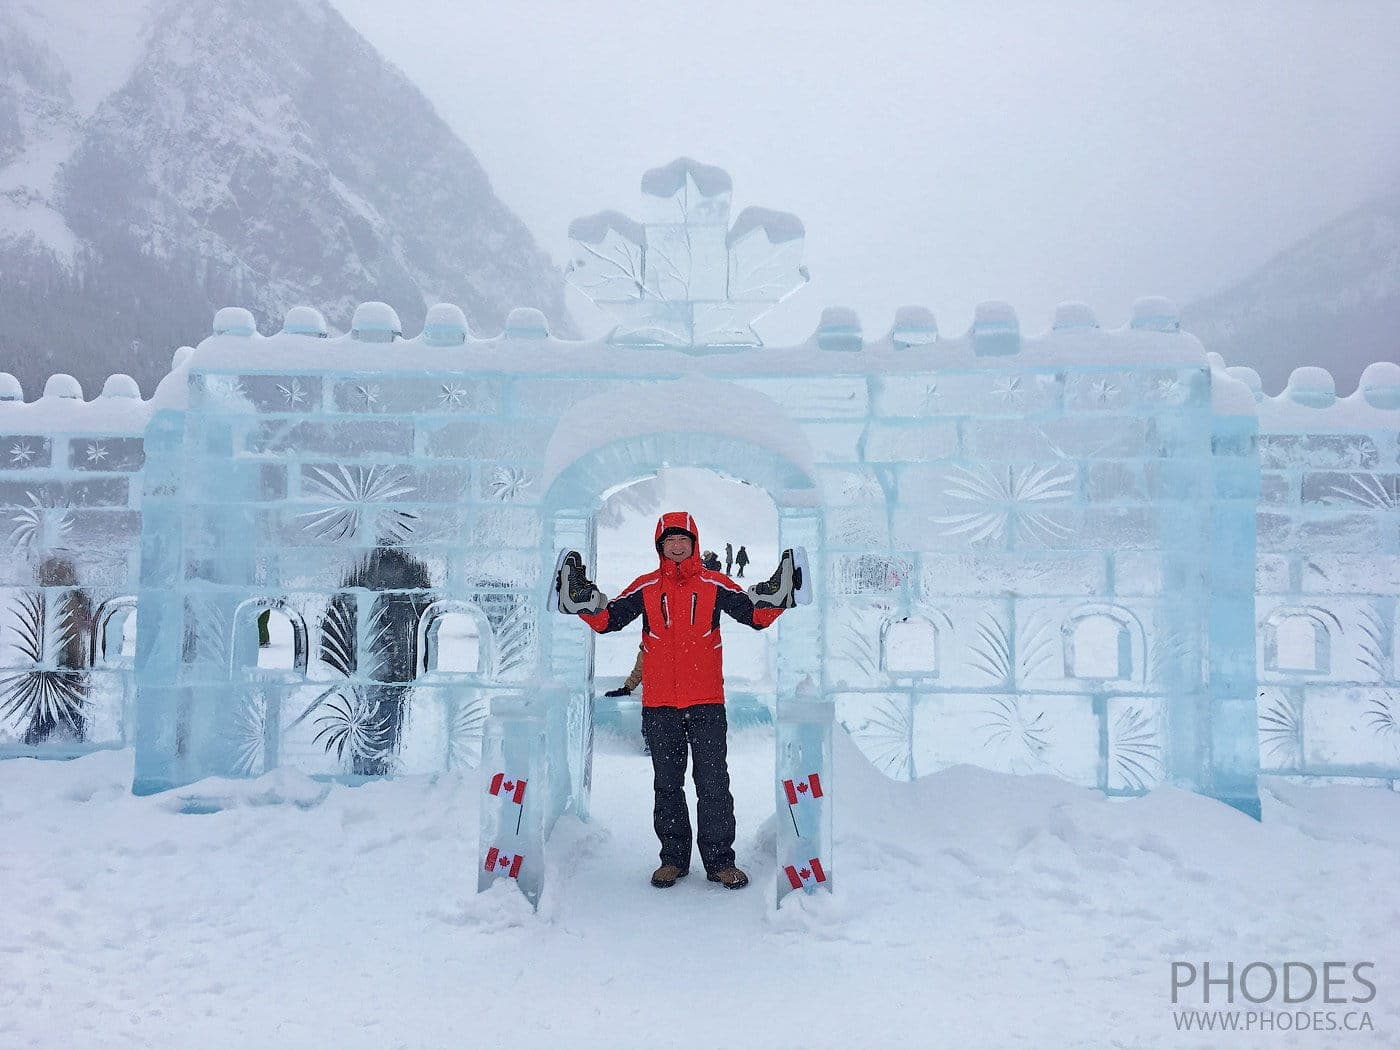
(621,690)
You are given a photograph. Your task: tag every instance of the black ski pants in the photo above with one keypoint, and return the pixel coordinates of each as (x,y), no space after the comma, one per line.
(668,732)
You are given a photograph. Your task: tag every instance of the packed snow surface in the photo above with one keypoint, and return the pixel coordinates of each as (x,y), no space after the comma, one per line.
(972,910)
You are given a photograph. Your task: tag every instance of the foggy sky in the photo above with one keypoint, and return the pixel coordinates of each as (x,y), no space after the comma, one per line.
(937,154)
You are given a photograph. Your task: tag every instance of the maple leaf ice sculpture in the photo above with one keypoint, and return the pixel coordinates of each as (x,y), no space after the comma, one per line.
(682,277)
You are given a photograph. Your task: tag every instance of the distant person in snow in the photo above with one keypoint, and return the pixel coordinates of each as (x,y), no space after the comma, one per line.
(728,558)
(683,681)
(710,561)
(740,561)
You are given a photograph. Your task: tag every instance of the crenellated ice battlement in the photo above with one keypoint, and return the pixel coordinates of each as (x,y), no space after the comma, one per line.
(1097,552)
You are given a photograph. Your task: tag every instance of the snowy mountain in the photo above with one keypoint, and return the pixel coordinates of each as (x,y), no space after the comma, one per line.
(172,156)
(1333,299)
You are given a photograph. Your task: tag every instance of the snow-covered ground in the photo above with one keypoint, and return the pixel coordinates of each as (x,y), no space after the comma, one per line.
(972,910)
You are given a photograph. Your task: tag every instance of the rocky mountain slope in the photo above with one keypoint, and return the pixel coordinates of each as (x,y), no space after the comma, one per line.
(168,158)
(1333,299)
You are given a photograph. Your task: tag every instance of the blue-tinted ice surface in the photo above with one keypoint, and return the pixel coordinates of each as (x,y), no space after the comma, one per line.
(1033,553)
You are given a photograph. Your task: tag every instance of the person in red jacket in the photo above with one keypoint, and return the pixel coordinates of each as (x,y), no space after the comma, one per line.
(683,682)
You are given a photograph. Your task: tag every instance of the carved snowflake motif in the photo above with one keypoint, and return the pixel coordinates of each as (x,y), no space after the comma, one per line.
(1169,389)
(452,396)
(932,399)
(367,394)
(1103,391)
(507,483)
(293,393)
(1009,389)
(20,452)
(96,452)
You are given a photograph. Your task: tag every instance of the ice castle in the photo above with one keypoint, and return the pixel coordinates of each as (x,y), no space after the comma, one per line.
(1098,554)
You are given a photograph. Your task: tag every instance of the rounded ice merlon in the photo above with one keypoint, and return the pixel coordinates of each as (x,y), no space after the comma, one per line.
(1380,384)
(305,320)
(525,322)
(375,322)
(1155,313)
(235,320)
(445,325)
(913,326)
(120,385)
(838,329)
(996,331)
(1311,386)
(10,388)
(64,386)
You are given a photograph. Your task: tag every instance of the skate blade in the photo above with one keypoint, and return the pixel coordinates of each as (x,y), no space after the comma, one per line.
(802,595)
(553,600)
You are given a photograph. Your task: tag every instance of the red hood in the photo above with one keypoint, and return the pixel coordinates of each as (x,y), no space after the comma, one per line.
(679,519)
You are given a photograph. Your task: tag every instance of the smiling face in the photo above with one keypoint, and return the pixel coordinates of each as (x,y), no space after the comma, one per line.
(677,547)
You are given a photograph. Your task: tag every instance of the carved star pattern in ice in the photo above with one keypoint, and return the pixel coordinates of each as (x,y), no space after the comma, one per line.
(367,394)
(1103,391)
(452,396)
(931,400)
(20,452)
(1008,388)
(1169,389)
(293,393)
(96,452)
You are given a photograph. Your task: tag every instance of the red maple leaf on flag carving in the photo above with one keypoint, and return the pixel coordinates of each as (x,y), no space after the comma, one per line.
(794,788)
(813,871)
(496,859)
(515,789)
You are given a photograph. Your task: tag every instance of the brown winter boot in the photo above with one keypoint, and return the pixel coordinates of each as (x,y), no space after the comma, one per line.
(666,875)
(730,878)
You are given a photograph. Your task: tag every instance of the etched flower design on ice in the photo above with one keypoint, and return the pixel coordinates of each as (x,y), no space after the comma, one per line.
(1006,502)
(352,493)
(41,526)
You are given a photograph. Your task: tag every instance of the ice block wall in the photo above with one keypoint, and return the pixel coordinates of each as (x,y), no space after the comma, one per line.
(1329,576)
(1032,552)
(380,504)
(70,499)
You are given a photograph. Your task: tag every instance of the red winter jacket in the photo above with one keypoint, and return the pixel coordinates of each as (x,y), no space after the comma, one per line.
(680,603)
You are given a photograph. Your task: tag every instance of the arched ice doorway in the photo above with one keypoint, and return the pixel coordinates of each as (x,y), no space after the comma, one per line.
(604,444)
